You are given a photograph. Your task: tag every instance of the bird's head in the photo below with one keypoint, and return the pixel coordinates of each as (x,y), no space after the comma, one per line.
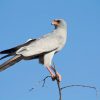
(59,23)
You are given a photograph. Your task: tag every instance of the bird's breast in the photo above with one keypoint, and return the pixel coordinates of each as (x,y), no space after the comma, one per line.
(62,37)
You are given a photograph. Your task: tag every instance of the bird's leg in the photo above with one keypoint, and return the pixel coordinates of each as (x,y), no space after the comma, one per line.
(51,73)
(58,75)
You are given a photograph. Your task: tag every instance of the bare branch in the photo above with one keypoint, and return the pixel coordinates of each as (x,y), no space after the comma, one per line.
(58,83)
(44,80)
(92,87)
(31,89)
(64,87)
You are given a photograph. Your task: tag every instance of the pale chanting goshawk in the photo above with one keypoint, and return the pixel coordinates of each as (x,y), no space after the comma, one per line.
(42,48)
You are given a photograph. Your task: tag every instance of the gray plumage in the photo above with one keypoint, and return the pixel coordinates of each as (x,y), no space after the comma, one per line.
(42,48)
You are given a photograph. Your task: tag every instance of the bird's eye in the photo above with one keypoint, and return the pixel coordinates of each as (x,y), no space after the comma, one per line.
(58,21)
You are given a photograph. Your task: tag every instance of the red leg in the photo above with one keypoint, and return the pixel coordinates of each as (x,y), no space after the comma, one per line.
(51,73)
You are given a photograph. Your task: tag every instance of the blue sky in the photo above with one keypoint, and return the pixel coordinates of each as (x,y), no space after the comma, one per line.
(78,62)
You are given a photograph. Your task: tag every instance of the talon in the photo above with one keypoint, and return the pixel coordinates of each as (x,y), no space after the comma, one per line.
(53,77)
(59,77)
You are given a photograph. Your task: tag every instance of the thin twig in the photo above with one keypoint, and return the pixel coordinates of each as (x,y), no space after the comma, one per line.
(31,89)
(64,87)
(58,83)
(87,86)
(61,88)
(44,80)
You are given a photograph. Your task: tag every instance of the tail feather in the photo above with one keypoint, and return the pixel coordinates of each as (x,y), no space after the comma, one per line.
(10,62)
(14,49)
(4,57)
(9,51)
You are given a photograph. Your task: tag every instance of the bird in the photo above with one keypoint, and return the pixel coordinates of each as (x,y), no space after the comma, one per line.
(43,48)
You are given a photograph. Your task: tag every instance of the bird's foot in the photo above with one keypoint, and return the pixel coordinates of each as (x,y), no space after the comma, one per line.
(59,78)
(56,77)
(53,77)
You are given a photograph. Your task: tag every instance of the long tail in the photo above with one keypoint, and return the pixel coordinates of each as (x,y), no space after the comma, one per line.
(4,57)
(10,62)
(8,52)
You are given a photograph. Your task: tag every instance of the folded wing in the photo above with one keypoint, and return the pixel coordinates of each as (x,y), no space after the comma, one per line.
(42,45)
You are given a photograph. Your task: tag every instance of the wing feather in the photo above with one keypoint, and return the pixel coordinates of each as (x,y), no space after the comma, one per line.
(10,62)
(42,45)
